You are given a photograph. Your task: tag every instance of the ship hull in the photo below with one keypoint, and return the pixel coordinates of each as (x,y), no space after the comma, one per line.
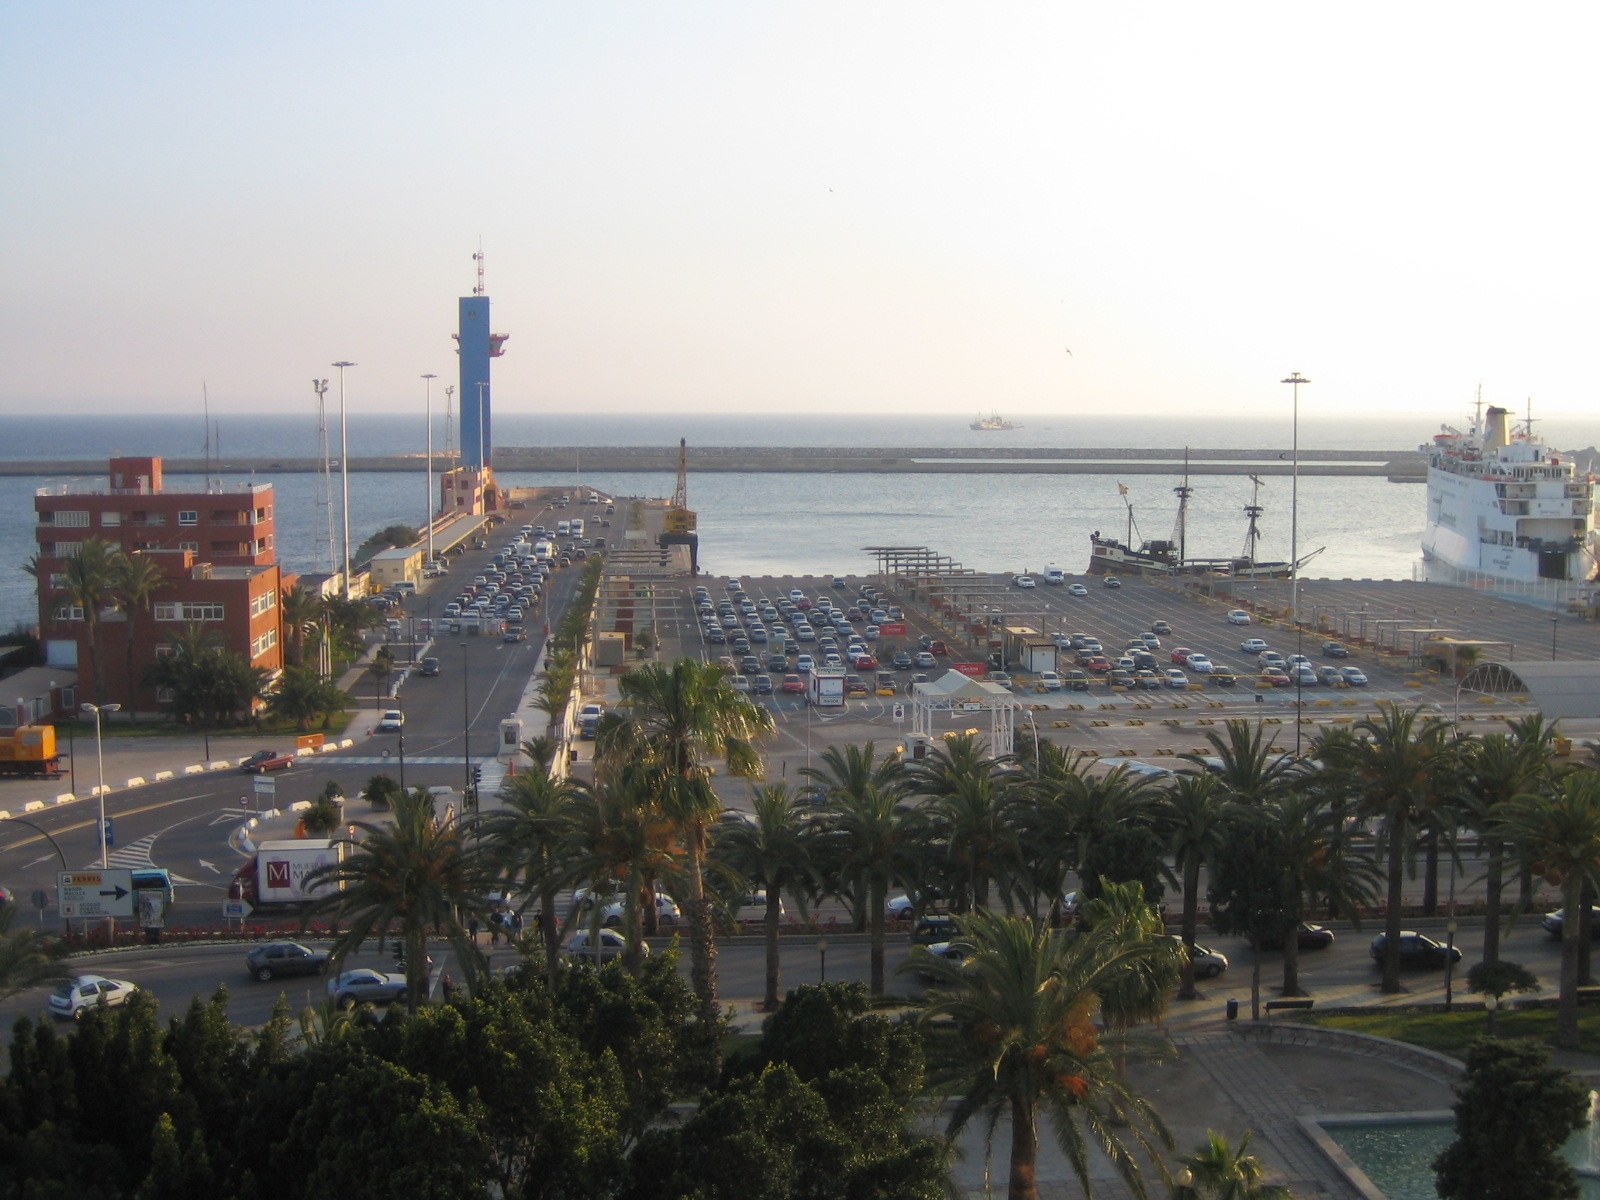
(1111,557)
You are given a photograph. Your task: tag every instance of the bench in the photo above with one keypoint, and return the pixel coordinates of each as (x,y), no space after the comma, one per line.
(1275,1005)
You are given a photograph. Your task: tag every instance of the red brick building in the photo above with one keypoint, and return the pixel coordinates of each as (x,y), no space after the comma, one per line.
(216,551)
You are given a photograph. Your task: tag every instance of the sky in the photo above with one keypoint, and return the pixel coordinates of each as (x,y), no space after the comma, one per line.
(886,207)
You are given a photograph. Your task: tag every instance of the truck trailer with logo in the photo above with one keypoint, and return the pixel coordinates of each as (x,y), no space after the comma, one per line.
(276,874)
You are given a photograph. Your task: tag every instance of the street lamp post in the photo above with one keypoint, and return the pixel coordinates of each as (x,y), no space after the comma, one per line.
(344,474)
(1295,380)
(427,408)
(1555,623)
(99,753)
(466,732)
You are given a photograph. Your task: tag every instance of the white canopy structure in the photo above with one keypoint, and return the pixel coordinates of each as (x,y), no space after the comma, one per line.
(1565,689)
(954,692)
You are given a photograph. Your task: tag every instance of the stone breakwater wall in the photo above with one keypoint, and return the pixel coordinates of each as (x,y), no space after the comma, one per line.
(1401,466)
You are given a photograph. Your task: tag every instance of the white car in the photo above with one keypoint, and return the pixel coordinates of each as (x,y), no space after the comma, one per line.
(1077,589)
(740,683)
(1198,663)
(393,721)
(73,997)
(1176,678)
(1023,581)
(612,946)
(1238,616)
(1050,681)
(1252,646)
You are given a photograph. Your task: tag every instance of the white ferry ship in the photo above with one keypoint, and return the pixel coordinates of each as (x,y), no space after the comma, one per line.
(1506,513)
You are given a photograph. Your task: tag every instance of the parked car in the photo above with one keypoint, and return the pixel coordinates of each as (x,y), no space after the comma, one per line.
(1000,677)
(393,721)
(1223,676)
(74,997)
(1416,950)
(1252,645)
(925,660)
(1335,650)
(1161,627)
(1354,676)
(1180,654)
(1238,616)
(267,760)
(364,986)
(1176,678)
(1273,677)
(1198,663)
(1050,681)
(902,660)
(1208,964)
(275,959)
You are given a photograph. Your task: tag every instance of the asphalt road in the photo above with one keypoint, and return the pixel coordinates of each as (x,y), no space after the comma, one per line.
(184,824)
(1343,974)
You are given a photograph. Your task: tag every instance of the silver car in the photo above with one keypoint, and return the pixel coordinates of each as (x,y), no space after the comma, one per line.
(74,997)
(364,986)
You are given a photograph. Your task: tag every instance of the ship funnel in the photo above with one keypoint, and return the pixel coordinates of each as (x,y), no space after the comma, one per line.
(1496,430)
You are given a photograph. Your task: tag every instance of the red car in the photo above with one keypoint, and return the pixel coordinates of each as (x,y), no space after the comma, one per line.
(266,760)
(793,683)
(1098,663)
(864,662)
(939,648)
(1272,677)
(1180,655)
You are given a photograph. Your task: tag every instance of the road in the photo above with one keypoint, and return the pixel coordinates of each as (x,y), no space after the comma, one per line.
(1341,975)
(185,824)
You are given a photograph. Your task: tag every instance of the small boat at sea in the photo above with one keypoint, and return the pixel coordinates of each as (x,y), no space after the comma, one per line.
(993,423)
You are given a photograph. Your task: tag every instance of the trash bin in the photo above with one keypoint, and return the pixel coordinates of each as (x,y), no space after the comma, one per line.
(1233,1009)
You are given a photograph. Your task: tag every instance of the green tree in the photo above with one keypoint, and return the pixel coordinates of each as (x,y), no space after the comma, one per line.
(387,538)
(88,577)
(381,791)
(1318,862)
(1190,816)
(209,685)
(675,716)
(874,839)
(1246,762)
(136,579)
(1042,814)
(306,698)
(1559,837)
(413,877)
(322,818)
(28,957)
(1012,1031)
(1396,767)
(967,796)
(1219,1171)
(531,837)
(844,775)
(1122,915)
(302,612)
(1250,891)
(1513,1113)
(772,851)
(1499,979)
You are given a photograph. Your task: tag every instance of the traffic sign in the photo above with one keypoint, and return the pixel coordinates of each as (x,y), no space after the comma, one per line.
(111,831)
(100,893)
(265,786)
(238,909)
(41,899)
(899,712)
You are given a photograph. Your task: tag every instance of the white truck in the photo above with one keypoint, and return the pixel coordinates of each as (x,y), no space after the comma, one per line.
(825,688)
(276,873)
(1054,576)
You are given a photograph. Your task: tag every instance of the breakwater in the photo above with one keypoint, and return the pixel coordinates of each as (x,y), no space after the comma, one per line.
(1396,465)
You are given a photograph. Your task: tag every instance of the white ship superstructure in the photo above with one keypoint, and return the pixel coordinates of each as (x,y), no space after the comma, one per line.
(1506,513)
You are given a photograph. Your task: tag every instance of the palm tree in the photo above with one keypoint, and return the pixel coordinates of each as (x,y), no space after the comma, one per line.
(1250,767)
(1318,863)
(1042,814)
(969,796)
(302,610)
(1190,815)
(674,716)
(89,580)
(1559,836)
(845,774)
(1011,1031)
(1495,769)
(28,957)
(531,837)
(1393,767)
(137,579)
(304,696)
(1122,914)
(772,850)
(876,839)
(1219,1171)
(415,876)
(1100,806)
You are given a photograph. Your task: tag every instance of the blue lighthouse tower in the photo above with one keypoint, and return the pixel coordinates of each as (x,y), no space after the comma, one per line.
(476,346)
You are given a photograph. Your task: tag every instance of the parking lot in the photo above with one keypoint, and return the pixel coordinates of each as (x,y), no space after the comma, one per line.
(1114,722)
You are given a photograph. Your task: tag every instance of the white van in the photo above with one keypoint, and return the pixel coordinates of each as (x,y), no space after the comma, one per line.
(405,587)
(576,526)
(1053,576)
(563,528)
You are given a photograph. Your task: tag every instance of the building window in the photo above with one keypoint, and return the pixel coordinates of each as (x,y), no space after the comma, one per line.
(265,602)
(165,695)
(66,549)
(70,519)
(236,548)
(69,699)
(183,611)
(111,519)
(58,582)
(163,651)
(188,516)
(195,546)
(262,644)
(147,518)
(69,612)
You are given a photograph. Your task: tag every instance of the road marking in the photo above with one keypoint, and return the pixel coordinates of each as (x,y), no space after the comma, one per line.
(37,861)
(208,866)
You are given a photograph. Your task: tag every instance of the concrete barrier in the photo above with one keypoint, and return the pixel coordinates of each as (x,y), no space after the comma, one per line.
(221,764)
(4,815)
(33,806)
(300,806)
(65,798)
(346,743)
(163,776)
(136,781)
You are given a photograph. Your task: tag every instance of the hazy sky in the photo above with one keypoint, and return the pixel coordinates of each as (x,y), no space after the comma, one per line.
(854,207)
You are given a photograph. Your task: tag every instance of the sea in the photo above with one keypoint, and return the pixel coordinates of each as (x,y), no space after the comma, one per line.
(818,524)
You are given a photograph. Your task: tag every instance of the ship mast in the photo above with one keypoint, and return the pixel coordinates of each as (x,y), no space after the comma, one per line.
(1253,511)
(1183,491)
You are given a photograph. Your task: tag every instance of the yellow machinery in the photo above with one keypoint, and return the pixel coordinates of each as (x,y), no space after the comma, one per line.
(30,750)
(679,523)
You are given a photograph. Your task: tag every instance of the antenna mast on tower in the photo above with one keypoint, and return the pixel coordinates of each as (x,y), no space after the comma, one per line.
(449,422)
(478,258)
(1183,491)
(1253,511)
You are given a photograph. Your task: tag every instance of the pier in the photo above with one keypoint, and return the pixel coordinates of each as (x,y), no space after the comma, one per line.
(1399,466)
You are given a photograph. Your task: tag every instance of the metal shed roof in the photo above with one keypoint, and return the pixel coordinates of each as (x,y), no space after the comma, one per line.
(1563,689)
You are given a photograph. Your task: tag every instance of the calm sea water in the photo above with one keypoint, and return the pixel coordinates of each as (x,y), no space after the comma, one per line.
(761,524)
